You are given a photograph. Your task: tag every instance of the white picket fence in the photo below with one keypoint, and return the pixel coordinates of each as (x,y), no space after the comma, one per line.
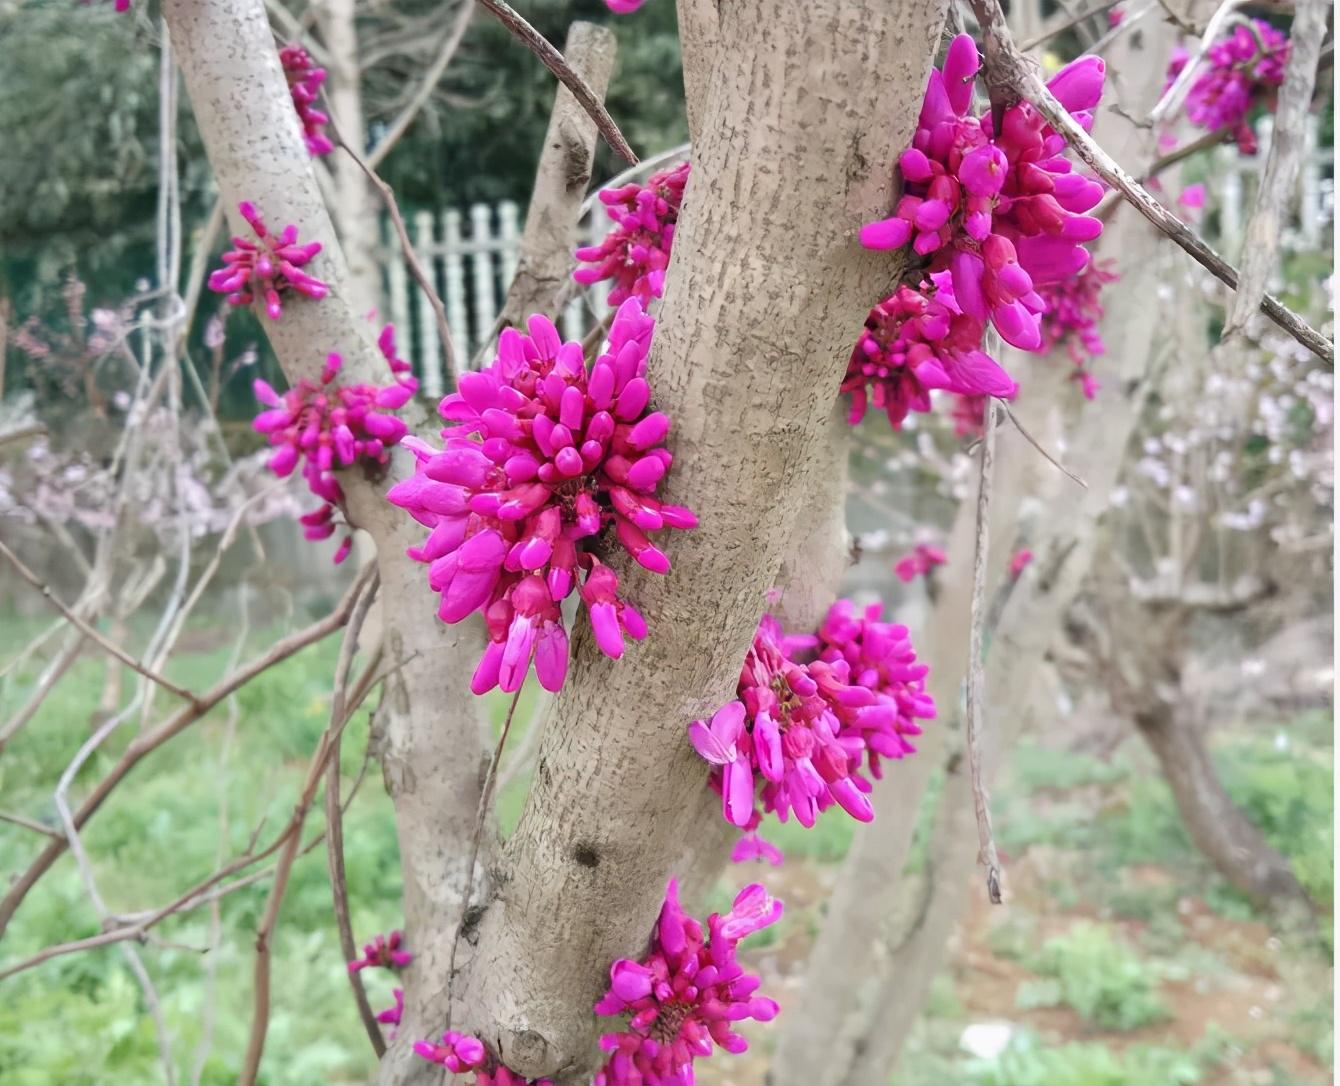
(471,272)
(472,269)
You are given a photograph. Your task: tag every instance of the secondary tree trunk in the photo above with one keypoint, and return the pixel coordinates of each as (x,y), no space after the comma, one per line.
(356,208)
(432,756)
(869,975)
(766,288)
(1216,824)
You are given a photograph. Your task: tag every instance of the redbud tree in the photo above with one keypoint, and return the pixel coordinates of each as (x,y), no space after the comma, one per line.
(649,521)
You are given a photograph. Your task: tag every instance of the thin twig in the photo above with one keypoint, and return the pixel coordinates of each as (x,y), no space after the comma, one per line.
(552,59)
(1172,97)
(986,854)
(147,742)
(1035,443)
(29,824)
(338,885)
(1073,21)
(1013,74)
(411,257)
(92,633)
(339,717)
(485,796)
(206,892)
(446,50)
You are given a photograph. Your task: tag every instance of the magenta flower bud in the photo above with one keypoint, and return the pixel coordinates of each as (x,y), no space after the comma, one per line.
(892,233)
(1079,85)
(914,166)
(960,70)
(983,171)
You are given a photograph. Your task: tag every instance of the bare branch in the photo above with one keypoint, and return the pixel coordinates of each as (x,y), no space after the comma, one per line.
(1013,75)
(545,258)
(552,59)
(338,884)
(1061,28)
(149,741)
(1172,97)
(1281,173)
(411,257)
(485,801)
(20,433)
(29,824)
(986,855)
(92,633)
(339,717)
(1045,454)
(445,52)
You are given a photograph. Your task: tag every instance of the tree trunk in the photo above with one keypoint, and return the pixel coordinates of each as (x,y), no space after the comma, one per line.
(433,751)
(1216,824)
(849,1031)
(356,209)
(766,288)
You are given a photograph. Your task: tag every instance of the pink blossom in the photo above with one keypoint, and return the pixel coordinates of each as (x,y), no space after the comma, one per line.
(458,1052)
(919,563)
(324,427)
(461,1054)
(541,457)
(751,846)
(624,7)
(636,252)
(810,715)
(1074,308)
(917,341)
(1239,73)
(969,417)
(267,269)
(394,1013)
(682,996)
(1019,561)
(1193,198)
(1001,212)
(304,83)
(383,953)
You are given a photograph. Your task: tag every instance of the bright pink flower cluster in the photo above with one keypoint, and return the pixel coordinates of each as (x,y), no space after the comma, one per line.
(544,456)
(810,728)
(684,993)
(624,7)
(304,84)
(1242,71)
(266,269)
(920,562)
(460,1054)
(1001,212)
(916,341)
(636,252)
(383,953)
(1074,307)
(328,427)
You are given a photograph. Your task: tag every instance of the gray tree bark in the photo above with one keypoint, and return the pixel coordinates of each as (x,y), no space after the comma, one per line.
(766,289)
(881,946)
(432,753)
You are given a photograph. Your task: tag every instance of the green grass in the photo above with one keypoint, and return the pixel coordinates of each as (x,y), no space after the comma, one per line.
(81,1018)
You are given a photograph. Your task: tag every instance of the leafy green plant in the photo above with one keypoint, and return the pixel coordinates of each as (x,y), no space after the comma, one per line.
(1088,970)
(1028,1063)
